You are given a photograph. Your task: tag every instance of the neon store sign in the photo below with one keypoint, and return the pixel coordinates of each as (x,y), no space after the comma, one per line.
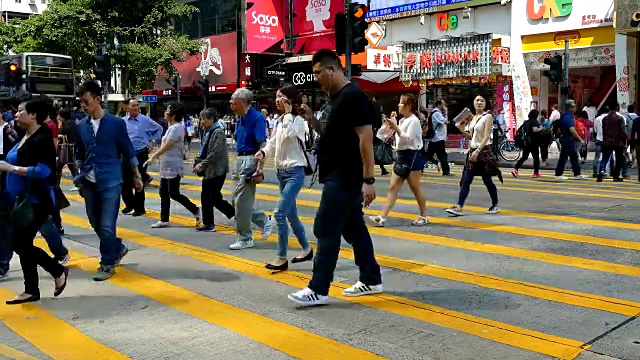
(559,8)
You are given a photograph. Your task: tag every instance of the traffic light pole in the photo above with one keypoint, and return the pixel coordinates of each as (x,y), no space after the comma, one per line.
(564,91)
(347,48)
(178,87)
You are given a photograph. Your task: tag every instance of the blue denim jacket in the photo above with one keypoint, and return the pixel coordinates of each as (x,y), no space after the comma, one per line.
(103,151)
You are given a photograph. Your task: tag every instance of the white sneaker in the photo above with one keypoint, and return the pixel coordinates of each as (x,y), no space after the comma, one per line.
(494,209)
(361,289)
(562,178)
(75,188)
(378,220)
(268,227)
(580,177)
(239,245)
(307,297)
(161,224)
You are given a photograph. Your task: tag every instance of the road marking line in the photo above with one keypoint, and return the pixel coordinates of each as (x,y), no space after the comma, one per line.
(14,354)
(575,298)
(488,329)
(50,335)
(280,336)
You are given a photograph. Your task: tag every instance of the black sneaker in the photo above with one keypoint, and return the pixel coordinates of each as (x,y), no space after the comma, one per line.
(123,252)
(210,228)
(127,211)
(139,213)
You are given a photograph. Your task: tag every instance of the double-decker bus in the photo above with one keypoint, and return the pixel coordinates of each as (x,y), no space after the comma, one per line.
(45,74)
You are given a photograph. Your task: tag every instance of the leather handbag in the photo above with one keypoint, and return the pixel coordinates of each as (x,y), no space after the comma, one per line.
(22,214)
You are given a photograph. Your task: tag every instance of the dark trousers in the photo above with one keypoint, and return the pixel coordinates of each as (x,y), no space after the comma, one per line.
(72,167)
(533,150)
(30,255)
(170,190)
(568,150)
(439,149)
(607,151)
(211,197)
(340,215)
(465,187)
(132,199)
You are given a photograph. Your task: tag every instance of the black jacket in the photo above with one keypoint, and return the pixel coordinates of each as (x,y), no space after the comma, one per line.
(39,149)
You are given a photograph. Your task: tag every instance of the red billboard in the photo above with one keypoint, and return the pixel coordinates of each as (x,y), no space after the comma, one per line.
(313,24)
(265,21)
(217,60)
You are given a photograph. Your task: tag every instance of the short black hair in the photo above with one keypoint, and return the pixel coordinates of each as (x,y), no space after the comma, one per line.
(177,110)
(128,101)
(39,108)
(326,57)
(438,102)
(64,113)
(90,86)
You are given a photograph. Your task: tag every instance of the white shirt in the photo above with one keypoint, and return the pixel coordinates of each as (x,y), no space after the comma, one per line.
(592,112)
(597,126)
(476,128)
(285,145)
(91,175)
(411,131)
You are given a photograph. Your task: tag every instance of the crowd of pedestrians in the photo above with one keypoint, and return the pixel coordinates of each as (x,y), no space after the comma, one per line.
(340,144)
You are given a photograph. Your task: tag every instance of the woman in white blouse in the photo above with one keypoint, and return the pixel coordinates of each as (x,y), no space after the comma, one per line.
(286,144)
(409,161)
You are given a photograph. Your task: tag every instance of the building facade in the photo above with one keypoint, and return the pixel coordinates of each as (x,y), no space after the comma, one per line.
(627,26)
(21,9)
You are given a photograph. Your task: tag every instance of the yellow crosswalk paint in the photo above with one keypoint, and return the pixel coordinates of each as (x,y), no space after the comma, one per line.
(604,303)
(51,335)
(14,354)
(286,338)
(535,341)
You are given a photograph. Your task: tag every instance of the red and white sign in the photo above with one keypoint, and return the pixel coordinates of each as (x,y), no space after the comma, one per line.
(384,60)
(374,34)
(313,24)
(264,22)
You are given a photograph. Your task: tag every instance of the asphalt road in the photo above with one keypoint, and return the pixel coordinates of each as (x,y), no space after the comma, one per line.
(553,276)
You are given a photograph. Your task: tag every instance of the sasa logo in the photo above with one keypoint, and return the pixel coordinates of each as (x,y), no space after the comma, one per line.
(318,3)
(267,20)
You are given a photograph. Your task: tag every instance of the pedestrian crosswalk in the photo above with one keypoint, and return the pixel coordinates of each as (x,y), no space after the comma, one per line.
(550,277)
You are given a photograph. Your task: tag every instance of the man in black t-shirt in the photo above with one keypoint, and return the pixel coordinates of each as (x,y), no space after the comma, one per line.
(345,157)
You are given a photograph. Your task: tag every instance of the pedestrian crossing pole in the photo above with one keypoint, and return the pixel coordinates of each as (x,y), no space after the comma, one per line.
(564,89)
(348,32)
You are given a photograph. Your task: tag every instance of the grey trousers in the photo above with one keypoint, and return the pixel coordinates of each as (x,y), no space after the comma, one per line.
(244,197)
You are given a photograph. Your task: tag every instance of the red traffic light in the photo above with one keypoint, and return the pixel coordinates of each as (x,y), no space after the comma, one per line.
(360,11)
(13,67)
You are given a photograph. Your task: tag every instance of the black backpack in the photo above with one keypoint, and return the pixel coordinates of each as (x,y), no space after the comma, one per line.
(522,138)
(429,132)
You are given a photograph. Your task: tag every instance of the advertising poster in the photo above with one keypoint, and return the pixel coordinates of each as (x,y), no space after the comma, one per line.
(313,24)
(265,23)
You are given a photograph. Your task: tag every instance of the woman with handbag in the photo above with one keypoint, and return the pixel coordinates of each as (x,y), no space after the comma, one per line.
(172,156)
(30,168)
(480,159)
(409,161)
(287,145)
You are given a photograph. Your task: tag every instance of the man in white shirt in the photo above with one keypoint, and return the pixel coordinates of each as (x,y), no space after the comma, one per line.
(437,144)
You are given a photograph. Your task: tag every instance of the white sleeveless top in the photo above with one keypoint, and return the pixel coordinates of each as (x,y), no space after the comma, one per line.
(476,129)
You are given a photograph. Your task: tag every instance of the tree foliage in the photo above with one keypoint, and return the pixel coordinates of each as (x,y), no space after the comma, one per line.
(137,33)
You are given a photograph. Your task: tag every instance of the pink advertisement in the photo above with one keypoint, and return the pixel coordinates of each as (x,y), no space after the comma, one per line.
(265,26)
(313,24)
(504,101)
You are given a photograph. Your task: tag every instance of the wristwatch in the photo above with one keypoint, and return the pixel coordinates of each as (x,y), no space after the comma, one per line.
(369,181)
(15,169)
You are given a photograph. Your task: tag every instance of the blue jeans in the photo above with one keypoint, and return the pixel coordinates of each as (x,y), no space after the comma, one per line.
(49,232)
(102,210)
(290,182)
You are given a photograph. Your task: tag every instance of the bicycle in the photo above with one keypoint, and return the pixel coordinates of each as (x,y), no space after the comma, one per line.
(506,149)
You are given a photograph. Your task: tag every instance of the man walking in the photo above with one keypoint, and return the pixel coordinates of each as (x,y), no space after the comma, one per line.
(142,131)
(251,135)
(102,143)
(570,141)
(346,171)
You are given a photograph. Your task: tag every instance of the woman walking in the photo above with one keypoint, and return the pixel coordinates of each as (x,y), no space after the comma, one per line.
(532,129)
(172,156)
(287,145)
(30,168)
(409,161)
(480,159)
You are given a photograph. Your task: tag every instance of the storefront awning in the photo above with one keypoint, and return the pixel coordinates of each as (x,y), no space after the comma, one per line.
(379,77)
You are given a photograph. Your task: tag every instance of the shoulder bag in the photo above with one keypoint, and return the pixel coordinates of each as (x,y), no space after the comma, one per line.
(22,212)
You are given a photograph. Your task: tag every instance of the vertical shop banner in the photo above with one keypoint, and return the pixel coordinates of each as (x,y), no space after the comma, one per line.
(313,24)
(504,101)
(217,60)
(265,20)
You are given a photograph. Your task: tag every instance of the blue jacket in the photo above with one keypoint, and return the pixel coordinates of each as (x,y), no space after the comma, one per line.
(104,152)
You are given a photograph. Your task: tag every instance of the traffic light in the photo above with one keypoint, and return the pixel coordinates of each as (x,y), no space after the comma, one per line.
(340,23)
(102,67)
(359,25)
(555,72)
(14,76)
(176,84)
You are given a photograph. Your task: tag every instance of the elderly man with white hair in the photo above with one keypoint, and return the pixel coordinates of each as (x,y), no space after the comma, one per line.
(251,135)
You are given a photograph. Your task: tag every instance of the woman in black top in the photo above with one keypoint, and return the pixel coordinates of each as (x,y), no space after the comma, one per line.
(532,130)
(30,176)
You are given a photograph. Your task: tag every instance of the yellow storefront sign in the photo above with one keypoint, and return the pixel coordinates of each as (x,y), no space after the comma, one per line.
(580,38)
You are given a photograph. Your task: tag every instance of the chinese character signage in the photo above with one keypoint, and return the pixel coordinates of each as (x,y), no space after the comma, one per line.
(384,60)
(264,23)
(457,57)
(501,55)
(393,9)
